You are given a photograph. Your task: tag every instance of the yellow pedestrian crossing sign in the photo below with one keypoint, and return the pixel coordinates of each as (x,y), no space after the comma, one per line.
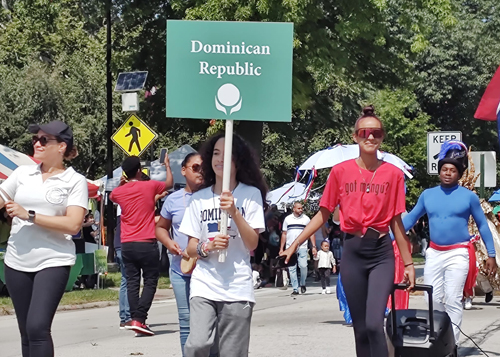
(134,136)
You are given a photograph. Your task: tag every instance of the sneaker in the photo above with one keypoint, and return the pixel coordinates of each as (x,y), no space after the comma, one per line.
(303,289)
(468,304)
(328,291)
(488,296)
(295,293)
(323,291)
(140,334)
(125,325)
(140,328)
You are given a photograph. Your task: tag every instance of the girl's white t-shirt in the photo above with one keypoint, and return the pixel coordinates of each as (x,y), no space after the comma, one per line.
(231,280)
(30,247)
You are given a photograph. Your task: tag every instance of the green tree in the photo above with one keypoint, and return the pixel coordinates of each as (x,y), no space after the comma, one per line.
(406,125)
(454,69)
(343,51)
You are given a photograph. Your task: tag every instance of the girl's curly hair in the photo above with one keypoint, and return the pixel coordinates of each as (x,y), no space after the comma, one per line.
(245,160)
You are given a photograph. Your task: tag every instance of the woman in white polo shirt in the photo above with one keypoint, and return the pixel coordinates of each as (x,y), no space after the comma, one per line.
(47,203)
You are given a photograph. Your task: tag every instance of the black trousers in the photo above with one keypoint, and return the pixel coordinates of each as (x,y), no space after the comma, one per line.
(35,297)
(368,278)
(141,257)
(324,275)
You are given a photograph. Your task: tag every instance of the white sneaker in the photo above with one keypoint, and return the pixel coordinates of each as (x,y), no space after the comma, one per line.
(323,291)
(468,304)
(328,291)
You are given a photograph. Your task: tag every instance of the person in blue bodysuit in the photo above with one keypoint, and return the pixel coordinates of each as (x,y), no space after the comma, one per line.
(449,207)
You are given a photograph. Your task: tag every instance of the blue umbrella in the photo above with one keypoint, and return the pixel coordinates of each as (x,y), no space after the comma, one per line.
(495,197)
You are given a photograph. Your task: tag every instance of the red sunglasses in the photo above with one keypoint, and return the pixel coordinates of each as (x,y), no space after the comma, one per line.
(42,139)
(366,132)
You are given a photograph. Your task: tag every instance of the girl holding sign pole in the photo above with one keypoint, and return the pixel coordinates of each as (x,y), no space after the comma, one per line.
(222,294)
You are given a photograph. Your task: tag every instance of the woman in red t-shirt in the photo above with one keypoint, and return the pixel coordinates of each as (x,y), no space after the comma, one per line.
(371,194)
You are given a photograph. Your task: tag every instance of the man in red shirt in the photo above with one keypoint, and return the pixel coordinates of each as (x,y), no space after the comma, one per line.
(140,253)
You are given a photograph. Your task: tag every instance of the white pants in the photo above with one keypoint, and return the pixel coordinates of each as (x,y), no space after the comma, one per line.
(447,271)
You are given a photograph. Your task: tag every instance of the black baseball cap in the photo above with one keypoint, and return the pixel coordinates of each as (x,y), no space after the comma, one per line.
(56,128)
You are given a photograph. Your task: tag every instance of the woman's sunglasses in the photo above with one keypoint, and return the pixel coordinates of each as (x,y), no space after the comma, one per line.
(42,139)
(365,133)
(195,167)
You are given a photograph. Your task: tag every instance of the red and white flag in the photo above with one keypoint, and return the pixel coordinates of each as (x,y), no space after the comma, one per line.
(489,106)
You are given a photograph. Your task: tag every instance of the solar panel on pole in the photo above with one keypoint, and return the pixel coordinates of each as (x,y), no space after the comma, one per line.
(131,81)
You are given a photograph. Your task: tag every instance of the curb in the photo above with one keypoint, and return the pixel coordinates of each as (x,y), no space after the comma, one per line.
(89,305)
(85,306)
(6,312)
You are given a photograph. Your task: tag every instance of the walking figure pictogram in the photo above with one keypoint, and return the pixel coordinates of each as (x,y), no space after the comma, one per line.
(135,133)
(134,136)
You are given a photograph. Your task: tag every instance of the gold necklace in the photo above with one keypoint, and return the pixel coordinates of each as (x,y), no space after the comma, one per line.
(363,178)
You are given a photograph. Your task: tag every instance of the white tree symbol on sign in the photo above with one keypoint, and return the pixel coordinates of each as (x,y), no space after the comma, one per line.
(228,96)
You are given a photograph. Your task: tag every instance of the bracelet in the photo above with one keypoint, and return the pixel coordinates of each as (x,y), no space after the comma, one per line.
(199,249)
(407,265)
(204,248)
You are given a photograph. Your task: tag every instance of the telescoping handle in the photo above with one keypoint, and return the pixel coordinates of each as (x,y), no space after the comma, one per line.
(417,287)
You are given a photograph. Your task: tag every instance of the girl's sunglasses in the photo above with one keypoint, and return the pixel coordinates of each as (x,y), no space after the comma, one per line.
(365,133)
(42,139)
(195,167)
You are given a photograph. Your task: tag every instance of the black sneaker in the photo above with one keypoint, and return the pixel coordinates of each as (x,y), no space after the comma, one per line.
(303,289)
(488,296)
(295,293)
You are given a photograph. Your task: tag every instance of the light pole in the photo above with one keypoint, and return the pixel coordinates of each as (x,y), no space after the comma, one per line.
(109,132)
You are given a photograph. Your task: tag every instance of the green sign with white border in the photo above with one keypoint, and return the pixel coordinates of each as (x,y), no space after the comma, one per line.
(229,70)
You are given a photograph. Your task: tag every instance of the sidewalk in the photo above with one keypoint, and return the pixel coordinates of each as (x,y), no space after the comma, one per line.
(164,294)
(161,295)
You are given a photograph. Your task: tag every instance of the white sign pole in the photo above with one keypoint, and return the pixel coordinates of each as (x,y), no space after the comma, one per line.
(226,181)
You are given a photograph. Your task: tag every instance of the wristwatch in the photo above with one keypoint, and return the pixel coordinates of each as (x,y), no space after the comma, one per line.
(31,216)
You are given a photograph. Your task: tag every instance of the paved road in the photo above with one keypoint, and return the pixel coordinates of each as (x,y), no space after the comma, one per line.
(310,324)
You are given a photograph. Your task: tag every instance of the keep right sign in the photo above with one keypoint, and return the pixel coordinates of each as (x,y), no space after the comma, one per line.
(434,141)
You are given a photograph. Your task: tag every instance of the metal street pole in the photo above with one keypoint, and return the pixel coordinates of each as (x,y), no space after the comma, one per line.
(481,177)
(109,132)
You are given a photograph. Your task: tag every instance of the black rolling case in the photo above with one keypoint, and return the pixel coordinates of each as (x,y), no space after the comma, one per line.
(420,333)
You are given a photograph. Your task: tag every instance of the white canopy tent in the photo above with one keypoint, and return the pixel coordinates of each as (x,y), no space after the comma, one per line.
(297,192)
(334,155)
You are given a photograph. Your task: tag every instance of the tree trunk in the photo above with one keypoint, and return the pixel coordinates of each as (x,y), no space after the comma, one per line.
(251,131)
